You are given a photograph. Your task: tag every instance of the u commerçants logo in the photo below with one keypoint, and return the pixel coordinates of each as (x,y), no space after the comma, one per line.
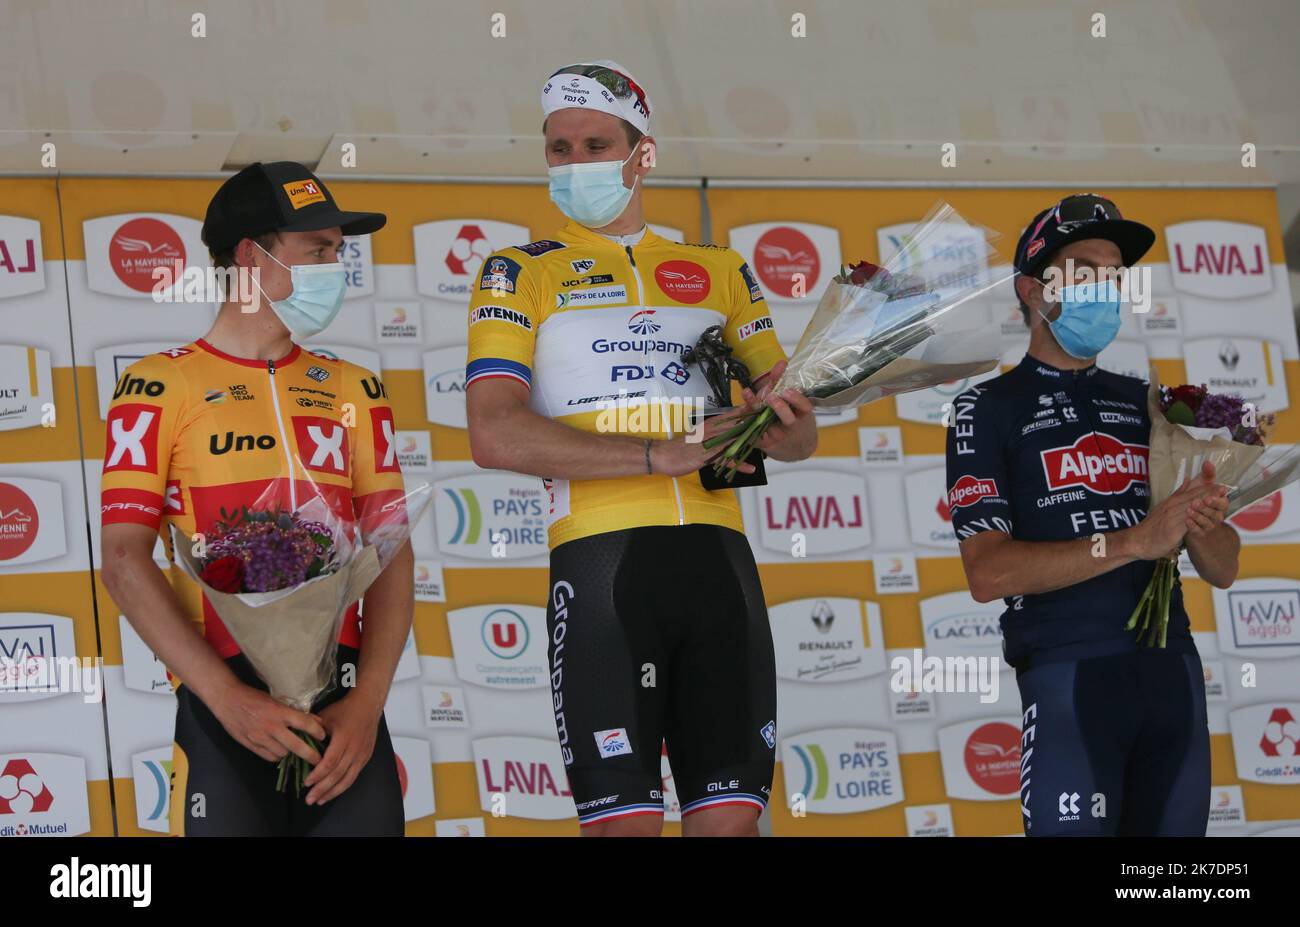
(1097,462)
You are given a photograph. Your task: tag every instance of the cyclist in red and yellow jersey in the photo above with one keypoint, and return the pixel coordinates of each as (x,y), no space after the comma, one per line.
(213,425)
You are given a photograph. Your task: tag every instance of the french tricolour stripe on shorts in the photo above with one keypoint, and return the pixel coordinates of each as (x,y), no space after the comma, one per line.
(730,798)
(626,811)
(487,367)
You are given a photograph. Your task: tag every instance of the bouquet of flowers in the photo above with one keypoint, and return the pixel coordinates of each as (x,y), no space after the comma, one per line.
(882,330)
(282,580)
(1190,425)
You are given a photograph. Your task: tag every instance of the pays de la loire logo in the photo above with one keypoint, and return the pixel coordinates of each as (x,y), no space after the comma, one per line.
(780,254)
(140,246)
(968,490)
(19,522)
(684,281)
(1098,462)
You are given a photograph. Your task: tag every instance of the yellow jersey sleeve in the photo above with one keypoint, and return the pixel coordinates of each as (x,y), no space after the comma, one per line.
(143,418)
(504,313)
(749,330)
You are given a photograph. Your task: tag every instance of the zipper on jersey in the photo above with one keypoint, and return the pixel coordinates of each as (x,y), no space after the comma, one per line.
(284,441)
(640,295)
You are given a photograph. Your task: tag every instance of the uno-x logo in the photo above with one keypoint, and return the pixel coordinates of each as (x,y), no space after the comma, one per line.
(133,437)
(1068,803)
(322,444)
(381,420)
(1098,462)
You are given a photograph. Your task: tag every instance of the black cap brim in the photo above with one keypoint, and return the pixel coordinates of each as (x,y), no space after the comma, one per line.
(1132,238)
(351,223)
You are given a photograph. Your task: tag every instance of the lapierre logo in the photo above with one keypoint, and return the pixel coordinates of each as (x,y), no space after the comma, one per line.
(1098,462)
(103,880)
(968,490)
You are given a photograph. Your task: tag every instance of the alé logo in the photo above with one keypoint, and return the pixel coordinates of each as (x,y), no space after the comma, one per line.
(1097,462)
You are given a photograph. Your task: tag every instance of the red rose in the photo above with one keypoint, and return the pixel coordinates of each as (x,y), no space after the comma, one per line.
(1191,396)
(224,575)
(862,272)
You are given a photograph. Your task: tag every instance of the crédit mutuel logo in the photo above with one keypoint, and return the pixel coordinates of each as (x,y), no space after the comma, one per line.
(76,879)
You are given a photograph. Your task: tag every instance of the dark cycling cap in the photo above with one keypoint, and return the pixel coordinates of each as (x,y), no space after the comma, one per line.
(1083,215)
(280,196)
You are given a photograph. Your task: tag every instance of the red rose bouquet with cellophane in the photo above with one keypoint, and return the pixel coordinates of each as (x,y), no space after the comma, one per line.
(282,579)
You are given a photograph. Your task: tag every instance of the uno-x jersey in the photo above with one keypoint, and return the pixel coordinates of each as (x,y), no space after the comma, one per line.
(193,430)
(1046,455)
(593,327)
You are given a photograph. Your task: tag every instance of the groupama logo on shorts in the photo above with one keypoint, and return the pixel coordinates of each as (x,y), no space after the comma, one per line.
(1097,462)
(968,490)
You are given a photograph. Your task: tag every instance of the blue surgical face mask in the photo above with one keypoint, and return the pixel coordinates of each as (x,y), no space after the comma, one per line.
(592,193)
(1089,318)
(317,296)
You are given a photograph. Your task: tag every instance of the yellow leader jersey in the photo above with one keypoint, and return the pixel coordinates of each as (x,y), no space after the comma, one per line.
(595,328)
(192,431)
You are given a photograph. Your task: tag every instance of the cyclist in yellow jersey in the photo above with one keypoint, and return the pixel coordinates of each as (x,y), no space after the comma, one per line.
(212,425)
(658,629)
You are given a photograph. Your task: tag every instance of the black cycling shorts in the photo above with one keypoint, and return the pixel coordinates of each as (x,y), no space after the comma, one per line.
(659,635)
(222,789)
(1114,741)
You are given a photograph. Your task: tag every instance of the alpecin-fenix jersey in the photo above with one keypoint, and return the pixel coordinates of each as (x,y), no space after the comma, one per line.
(594,327)
(1044,454)
(193,430)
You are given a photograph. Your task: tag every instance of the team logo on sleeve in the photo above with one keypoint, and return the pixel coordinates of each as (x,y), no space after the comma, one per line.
(174,501)
(754,327)
(132,438)
(381,420)
(322,444)
(755,291)
(538,248)
(499,274)
(969,489)
(1097,462)
(500,314)
(684,281)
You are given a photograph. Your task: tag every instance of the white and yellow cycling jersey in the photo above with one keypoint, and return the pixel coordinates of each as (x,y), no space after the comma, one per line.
(595,329)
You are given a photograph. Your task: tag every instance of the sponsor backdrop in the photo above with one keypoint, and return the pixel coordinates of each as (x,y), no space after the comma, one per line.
(879,576)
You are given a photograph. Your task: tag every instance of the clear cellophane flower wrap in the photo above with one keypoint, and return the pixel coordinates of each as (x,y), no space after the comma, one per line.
(909,325)
(289,635)
(1177,453)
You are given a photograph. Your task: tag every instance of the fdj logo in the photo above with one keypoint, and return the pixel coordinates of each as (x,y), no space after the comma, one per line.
(134,386)
(676,373)
(630,372)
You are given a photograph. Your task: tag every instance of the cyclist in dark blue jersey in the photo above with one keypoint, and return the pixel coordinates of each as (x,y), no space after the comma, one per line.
(1047,477)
